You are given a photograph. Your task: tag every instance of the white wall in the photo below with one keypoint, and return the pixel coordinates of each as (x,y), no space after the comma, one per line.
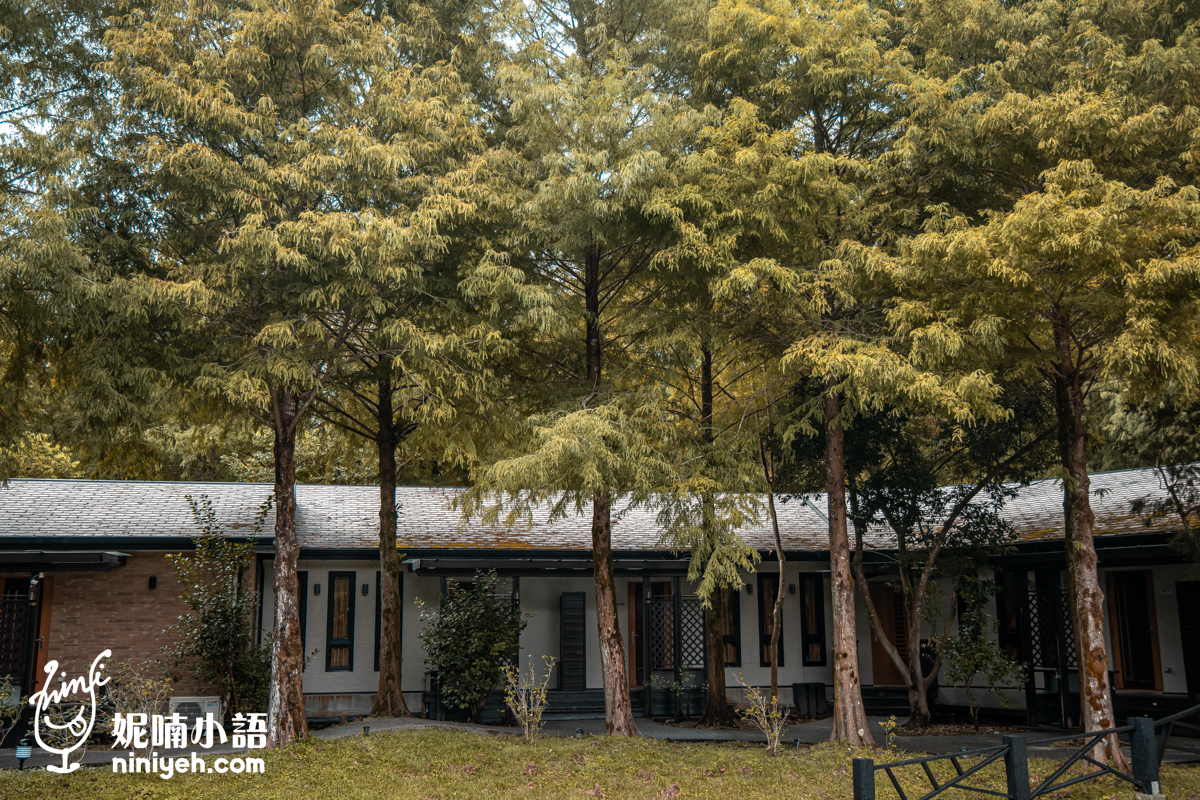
(1166,608)
(540,597)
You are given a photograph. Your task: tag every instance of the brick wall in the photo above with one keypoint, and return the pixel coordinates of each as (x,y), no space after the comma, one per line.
(115,610)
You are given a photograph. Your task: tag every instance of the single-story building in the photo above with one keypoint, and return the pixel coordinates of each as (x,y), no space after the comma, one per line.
(82,569)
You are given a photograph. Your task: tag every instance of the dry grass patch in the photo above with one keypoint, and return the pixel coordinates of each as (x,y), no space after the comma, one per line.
(445,765)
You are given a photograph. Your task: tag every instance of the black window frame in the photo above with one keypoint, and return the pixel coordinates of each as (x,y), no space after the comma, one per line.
(764,638)
(808,637)
(302,586)
(735,615)
(347,642)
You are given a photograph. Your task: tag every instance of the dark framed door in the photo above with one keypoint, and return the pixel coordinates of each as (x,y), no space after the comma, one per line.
(1187,595)
(889,604)
(1134,630)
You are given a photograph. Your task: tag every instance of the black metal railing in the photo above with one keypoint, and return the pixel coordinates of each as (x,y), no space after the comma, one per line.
(1167,726)
(1146,755)
(1083,753)
(865,769)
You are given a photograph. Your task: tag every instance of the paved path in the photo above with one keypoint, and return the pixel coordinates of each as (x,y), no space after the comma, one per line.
(1178,751)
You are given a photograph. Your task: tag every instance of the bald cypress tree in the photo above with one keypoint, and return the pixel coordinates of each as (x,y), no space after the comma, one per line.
(592,140)
(272,137)
(1065,232)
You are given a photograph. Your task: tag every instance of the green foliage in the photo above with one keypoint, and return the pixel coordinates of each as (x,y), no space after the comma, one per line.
(215,640)
(765,711)
(36,455)
(972,652)
(470,640)
(11,706)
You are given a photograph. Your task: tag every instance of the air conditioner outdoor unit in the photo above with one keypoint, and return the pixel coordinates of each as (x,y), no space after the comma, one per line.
(194,708)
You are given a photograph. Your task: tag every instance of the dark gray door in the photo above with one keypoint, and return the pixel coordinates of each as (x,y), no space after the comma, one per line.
(1187,593)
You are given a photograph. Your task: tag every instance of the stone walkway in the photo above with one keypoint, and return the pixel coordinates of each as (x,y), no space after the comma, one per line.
(1178,751)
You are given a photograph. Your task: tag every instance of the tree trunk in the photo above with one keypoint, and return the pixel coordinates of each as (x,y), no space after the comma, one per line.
(285,712)
(767,455)
(849,717)
(389,697)
(716,709)
(1083,583)
(618,710)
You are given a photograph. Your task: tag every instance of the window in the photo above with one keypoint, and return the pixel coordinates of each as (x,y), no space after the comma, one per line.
(302,580)
(768,587)
(731,626)
(812,620)
(339,630)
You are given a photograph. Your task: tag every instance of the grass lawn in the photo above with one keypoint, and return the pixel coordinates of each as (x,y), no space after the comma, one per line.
(452,764)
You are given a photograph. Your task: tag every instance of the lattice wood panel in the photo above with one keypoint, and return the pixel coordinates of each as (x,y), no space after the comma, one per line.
(662,632)
(691,629)
(14,620)
(1050,630)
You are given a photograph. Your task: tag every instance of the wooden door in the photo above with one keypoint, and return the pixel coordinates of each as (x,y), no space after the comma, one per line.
(1134,630)
(889,603)
(636,649)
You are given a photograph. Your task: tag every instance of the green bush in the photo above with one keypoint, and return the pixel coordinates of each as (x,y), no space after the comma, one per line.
(470,640)
(214,640)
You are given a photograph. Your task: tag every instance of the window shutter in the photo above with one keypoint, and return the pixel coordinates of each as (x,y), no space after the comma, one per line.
(572,660)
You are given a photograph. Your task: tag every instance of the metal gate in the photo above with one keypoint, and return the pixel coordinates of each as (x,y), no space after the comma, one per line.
(676,630)
(1052,693)
(674,644)
(17,619)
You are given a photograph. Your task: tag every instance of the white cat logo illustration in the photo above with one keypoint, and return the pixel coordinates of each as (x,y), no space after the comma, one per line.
(80,726)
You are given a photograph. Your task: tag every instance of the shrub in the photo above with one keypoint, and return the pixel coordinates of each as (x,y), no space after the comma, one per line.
(11,704)
(974,650)
(766,713)
(214,641)
(525,695)
(142,689)
(470,640)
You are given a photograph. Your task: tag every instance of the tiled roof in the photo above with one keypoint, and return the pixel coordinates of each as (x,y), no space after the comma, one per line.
(347,517)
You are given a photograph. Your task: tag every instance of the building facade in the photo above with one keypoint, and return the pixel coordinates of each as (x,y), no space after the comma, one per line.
(83,568)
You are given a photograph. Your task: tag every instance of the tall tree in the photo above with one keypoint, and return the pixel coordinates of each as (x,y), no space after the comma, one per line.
(1068,238)
(592,140)
(413,370)
(815,94)
(716,483)
(77,339)
(899,468)
(267,134)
